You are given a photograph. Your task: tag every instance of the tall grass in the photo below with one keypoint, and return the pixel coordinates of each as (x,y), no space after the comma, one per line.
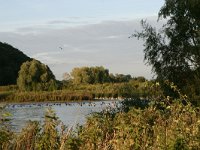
(77,92)
(161,125)
(8,88)
(45,96)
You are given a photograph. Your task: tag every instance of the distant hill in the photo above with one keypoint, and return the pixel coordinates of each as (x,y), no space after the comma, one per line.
(10,61)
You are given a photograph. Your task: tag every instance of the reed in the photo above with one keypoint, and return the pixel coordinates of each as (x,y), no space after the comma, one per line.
(45,96)
(161,125)
(74,92)
(164,123)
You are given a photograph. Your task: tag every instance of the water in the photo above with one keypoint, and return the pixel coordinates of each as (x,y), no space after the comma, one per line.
(70,113)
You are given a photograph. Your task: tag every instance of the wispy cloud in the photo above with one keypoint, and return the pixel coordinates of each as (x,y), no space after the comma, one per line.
(67,22)
(104,43)
(112,37)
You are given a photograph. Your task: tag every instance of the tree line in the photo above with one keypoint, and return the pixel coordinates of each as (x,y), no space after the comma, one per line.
(98,74)
(173,52)
(36,76)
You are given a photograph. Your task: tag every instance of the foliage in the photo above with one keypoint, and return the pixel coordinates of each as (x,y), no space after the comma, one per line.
(135,88)
(52,135)
(49,138)
(163,124)
(42,96)
(174,50)
(119,78)
(90,75)
(94,75)
(5,134)
(8,88)
(35,76)
(10,61)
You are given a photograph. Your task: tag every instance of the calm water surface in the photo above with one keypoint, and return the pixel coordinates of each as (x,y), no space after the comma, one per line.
(70,113)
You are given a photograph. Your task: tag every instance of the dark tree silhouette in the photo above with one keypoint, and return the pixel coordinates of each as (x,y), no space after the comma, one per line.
(10,61)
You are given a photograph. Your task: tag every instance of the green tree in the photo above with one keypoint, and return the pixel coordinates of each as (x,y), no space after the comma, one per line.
(90,75)
(141,79)
(81,75)
(122,78)
(100,74)
(35,76)
(174,51)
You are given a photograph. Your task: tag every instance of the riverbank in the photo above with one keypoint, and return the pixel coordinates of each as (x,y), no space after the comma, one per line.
(73,92)
(55,96)
(44,96)
(172,126)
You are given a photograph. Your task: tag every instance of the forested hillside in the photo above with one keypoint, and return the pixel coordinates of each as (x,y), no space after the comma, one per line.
(10,61)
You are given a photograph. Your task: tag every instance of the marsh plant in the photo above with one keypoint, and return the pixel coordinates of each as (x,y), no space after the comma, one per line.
(164,123)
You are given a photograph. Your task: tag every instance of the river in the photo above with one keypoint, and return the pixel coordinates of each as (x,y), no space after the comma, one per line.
(70,113)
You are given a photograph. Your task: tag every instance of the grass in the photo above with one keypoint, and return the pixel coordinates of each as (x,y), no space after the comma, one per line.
(159,125)
(45,96)
(76,92)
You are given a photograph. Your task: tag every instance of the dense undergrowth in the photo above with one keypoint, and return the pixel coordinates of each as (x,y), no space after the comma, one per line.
(159,123)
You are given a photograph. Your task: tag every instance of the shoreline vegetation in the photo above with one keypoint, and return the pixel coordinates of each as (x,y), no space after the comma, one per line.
(166,118)
(162,123)
(78,92)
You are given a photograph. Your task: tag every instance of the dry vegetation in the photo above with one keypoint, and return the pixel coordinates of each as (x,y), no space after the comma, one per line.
(164,123)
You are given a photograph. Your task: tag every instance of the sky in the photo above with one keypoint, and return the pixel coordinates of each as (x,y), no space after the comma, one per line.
(90,32)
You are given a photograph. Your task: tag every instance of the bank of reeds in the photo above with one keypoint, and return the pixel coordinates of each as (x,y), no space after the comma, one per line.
(115,90)
(8,88)
(77,92)
(161,125)
(42,96)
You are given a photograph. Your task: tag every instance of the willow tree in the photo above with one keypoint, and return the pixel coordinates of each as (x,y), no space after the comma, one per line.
(174,50)
(90,75)
(35,76)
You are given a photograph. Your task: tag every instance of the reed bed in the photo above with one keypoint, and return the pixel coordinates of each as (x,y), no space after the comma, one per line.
(160,126)
(43,96)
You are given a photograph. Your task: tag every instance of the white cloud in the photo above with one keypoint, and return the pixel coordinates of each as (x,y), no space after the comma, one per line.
(104,43)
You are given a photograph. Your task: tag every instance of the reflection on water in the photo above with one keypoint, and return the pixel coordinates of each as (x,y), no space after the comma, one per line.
(70,113)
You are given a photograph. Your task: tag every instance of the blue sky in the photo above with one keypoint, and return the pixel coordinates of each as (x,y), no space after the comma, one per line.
(92,32)
(21,12)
